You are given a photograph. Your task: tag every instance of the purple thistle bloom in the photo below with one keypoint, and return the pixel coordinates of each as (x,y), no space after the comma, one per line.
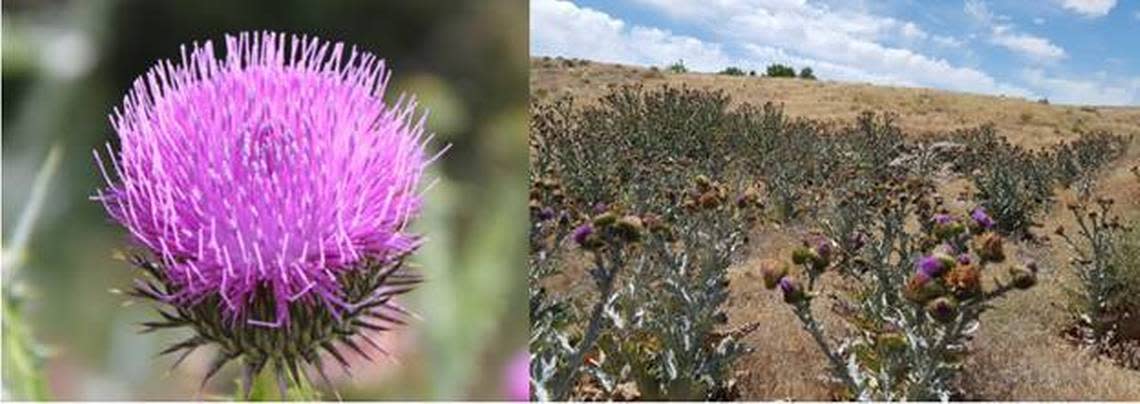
(582,233)
(943,219)
(964,259)
(787,285)
(930,266)
(279,166)
(823,246)
(518,377)
(546,213)
(982,219)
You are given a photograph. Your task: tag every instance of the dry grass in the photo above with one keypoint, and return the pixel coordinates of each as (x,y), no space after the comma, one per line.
(920,110)
(1019,354)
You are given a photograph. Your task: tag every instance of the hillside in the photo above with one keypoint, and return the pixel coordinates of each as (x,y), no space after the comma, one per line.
(1019,353)
(920,109)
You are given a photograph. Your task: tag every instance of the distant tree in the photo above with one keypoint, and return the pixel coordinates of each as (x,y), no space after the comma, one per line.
(806,74)
(732,71)
(779,70)
(678,67)
(752,73)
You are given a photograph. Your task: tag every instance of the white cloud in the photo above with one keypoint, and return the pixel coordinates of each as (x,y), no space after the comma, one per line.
(978,10)
(846,45)
(1089,8)
(1038,21)
(947,41)
(561,28)
(1103,91)
(910,30)
(1037,48)
(1004,34)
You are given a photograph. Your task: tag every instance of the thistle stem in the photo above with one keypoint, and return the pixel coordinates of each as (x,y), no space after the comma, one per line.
(803,311)
(593,330)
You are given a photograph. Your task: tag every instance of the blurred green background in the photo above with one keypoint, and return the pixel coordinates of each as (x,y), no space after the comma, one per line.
(66,64)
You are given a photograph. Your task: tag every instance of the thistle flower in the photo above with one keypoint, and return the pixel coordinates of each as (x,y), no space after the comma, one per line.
(772,271)
(989,247)
(546,213)
(942,309)
(630,228)
(1023,277)
(709,200)
(932,266)
(965,280)
(946,226)
(517,380)
(605,219)
(823,247)
(583,235)
(803,255)
(273,187)
(792,290)
(920,288)
(981,219)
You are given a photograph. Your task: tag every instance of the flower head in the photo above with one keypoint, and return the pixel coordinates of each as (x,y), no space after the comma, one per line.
(989,247)
(931,266)
(966,280)
(518,377)
(943,219)
(793,292)
(772,271)
(981,219)
(269,167)
(947,226)
(1023,277)
(943,309)
(546,213)
(270,184)
(583,235)
(920,288)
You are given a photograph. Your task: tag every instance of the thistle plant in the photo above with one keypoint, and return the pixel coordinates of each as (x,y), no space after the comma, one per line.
(267,194)
(1077,161)
(1100,298)
(656,330)
(1016,184)
(911,294)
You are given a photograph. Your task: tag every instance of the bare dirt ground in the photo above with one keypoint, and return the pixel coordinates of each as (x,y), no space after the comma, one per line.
(1018,352)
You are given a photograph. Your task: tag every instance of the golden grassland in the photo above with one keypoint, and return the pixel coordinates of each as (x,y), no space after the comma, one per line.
(1019,353)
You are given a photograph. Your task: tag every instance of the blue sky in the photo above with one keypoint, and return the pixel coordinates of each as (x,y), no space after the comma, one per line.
(1070,51)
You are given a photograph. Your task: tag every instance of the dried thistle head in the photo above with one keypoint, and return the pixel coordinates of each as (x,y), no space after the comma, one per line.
(772,271)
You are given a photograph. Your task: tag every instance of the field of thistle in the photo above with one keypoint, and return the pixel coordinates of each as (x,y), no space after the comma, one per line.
(698,236)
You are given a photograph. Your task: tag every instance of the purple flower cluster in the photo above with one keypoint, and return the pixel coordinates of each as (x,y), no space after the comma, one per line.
(931,266)
(981,219)
(582,234)
(278,165)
